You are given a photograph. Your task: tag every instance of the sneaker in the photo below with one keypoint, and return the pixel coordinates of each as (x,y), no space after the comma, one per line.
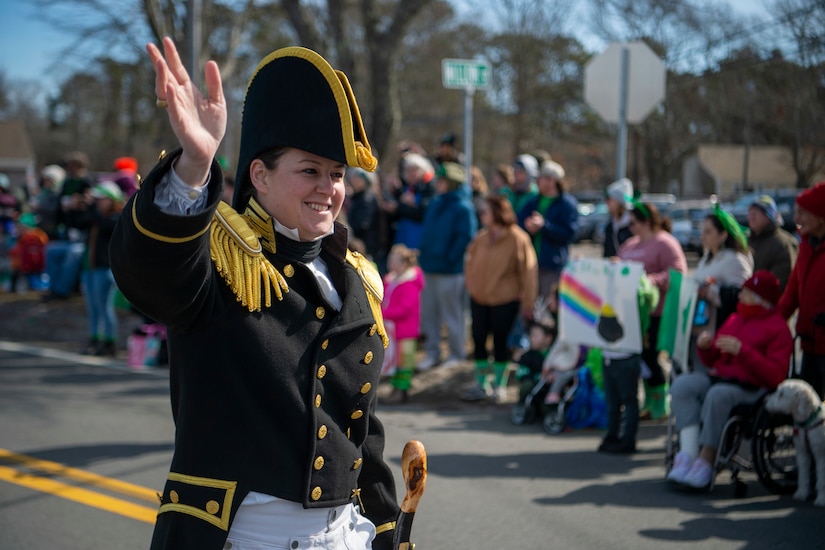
(452,362)
(426,364)
(396,397)
(499,395)
(475,393)
(618,448)
(681,466)
(552,398)
(700,474)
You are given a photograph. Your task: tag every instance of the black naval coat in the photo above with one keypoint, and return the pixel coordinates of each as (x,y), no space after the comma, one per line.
(280,399)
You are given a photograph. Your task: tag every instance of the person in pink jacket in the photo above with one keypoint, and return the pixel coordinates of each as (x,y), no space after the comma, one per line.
(402,306)
(748,357)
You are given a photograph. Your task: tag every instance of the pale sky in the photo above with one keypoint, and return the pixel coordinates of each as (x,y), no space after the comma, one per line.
(28,46)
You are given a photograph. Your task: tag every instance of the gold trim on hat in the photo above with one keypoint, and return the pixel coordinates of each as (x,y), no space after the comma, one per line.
(358,152)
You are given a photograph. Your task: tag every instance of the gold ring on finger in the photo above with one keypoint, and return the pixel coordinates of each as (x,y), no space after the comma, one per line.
(161,103)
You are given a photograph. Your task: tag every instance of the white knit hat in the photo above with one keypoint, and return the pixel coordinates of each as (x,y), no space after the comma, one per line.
(621,191)
(54,173)
(530,165)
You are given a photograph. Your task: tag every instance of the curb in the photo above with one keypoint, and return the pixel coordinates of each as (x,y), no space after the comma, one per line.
(113,364)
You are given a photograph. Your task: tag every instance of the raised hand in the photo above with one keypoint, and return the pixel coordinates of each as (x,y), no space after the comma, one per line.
(198,122)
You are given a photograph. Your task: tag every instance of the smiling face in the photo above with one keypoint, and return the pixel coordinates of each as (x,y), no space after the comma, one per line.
(808,223)
(303,191)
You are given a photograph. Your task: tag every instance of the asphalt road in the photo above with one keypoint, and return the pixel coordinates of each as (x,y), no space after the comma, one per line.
(83,447)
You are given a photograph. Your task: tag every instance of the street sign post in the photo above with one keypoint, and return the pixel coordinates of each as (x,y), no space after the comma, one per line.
(623,84)
(468,75)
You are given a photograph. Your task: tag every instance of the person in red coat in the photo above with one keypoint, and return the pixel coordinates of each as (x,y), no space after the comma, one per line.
(748,357)
(804,289)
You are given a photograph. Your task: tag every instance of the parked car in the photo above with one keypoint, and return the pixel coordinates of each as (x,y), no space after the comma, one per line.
(592,218)
(686,217)
(662,201)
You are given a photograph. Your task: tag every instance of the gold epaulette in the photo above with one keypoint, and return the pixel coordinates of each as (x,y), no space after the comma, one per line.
(237,254)
(374,287)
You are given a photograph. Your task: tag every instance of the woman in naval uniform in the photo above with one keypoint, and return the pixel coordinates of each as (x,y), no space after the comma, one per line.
(275,332)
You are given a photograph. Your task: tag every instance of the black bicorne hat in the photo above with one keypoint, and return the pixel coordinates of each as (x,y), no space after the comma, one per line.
(296,99)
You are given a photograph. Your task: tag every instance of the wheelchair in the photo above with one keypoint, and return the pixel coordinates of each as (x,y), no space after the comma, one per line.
(753,440)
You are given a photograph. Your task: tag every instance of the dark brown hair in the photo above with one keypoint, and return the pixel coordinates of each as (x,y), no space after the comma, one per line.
(501,210)
(730,242)
(646,212)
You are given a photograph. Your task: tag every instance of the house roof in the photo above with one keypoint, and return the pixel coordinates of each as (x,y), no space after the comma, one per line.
(768,166)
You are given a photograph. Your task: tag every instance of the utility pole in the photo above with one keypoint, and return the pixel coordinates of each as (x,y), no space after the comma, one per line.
(748,123)
(193,40)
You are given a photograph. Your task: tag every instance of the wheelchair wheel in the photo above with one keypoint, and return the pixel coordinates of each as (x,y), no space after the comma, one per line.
(521,414)
(774,454)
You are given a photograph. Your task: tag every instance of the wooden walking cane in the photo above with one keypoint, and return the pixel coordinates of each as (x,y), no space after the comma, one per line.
(414,468)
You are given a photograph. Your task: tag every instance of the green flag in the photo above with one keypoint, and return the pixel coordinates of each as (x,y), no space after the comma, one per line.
(677,317)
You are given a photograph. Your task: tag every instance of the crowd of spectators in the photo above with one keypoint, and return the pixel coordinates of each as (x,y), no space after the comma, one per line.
(55,238)
(488,249)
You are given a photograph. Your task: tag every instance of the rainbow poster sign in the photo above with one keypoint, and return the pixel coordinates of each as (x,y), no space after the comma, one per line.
(598,304)
(580,300)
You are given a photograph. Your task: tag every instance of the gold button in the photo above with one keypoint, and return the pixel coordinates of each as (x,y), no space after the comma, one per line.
(317,400)
(289,271)
(319,312)
(319,463)
(316,493)
(373,329)
(193,195)
(357,464)
(366,388)
(322,371)
(368,358)
(325,344)
(357,414)
(173,496)
(322,432)
(212,507)
(348,432)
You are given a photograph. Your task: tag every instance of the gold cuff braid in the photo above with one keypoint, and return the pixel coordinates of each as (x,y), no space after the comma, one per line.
(384,527)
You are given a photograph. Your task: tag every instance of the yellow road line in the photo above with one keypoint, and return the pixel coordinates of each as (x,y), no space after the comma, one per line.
(82,476)
(78,494)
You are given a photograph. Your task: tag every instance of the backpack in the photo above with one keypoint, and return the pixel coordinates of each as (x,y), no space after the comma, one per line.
(588,408)
(30,253)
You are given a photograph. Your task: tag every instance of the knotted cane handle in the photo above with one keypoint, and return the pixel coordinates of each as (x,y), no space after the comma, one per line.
(414,469)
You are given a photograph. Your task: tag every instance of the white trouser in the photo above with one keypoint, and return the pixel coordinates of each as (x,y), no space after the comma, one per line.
(264,523)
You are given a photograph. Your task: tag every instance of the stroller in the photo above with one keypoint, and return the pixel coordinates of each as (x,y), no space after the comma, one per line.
(532,405)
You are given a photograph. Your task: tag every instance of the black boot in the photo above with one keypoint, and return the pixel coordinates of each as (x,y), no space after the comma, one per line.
(107,349)
(92,348)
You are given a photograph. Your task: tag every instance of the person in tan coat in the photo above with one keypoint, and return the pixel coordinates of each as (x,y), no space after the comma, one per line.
(501,275)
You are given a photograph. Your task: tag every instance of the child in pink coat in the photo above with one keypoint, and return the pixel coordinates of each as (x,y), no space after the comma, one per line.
(402,306)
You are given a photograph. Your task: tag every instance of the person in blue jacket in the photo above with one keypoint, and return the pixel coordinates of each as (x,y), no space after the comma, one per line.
(552,219)
(449,226)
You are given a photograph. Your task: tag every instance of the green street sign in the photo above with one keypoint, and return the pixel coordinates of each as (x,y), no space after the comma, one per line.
(465,73)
